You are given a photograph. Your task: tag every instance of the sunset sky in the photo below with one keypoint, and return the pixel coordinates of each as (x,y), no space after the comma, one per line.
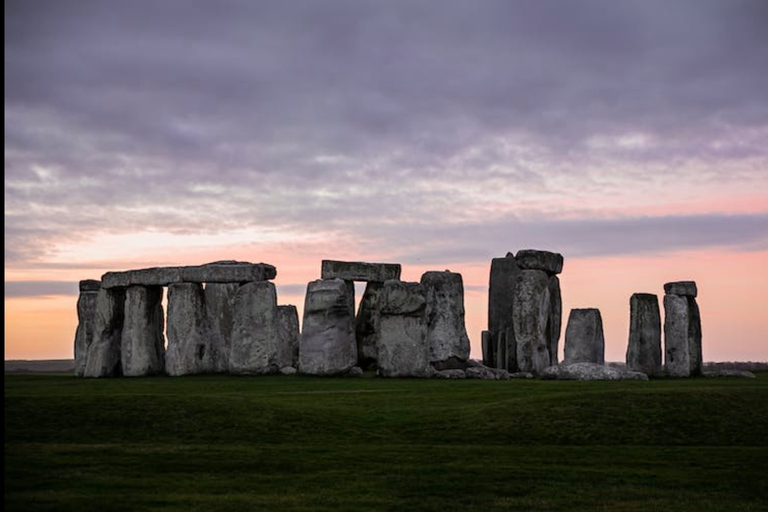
(631,136)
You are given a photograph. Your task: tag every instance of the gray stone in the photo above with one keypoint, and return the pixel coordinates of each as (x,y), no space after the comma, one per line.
(86,318)
(255,334)
(590,371)
(89,285)
(288,335)
(728,373)
(450,374)
(683,288)
(485,373)
(355,371)
(695,358)
(676,325)
(189,345)
(644,347)
(219,305)
(531,316)
(554,324)
(104,352)
(367,326)
(359,271)
(402,348)
(501,294)
(487,347)
(446,332)
(327,344)
(521,375)
(216,272)
(502,349)
(584,340)
(288,370)
(142,348)
(531,259)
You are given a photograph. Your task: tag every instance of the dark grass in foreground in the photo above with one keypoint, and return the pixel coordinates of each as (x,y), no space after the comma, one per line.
(299,443)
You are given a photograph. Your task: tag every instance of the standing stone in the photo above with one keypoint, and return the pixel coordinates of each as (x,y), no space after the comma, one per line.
(403,350)
(446,332)
(644,347)
(486,343)
(584,340)
(676,328)
(142,349)
(189,342)
(86,316)
(288,336)
(255,335)
(501,294)
(367,326)
(696,361)
(104,353)
(502,349)
(531,314)
(327,344)
(554,324)
(219,305)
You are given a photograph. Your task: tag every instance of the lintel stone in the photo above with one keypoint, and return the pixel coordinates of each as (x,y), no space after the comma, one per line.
(216,272)
(360,271)
(682,288)
(531,259)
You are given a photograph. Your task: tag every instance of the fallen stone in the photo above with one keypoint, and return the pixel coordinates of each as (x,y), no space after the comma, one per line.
(288,370)
(584,341)
(355,371)
(589,371)
(521,375)
(188,350)
(359,271)
(677,359)
(104,352)
(367,326)
(695,358)
(501,294)
(683,288)
(402,348)
(486,373)
(142,347)
(644,347)
(450,374)
(446,331)
(219,305)
(554,324)
(531,259)
(86,317)
(255,334)
(729,373)
(531,316)
(288,336)
(217,272)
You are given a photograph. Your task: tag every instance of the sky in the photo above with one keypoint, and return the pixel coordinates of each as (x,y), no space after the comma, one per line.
(632,137)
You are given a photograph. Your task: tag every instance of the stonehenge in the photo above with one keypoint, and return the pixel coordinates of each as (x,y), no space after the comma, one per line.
(584,340)
(403,348)
(86,314)
(682,330)
(446,333)
(644,347)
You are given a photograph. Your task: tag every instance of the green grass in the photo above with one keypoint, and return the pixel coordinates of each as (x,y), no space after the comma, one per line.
(299,443)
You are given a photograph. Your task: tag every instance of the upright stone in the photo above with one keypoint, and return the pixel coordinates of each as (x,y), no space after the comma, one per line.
(142,349)
(487,347)
(288,336)
(501,295)
(584,340)
(676,328)
(554,324)
(696,361)
(219,305)
(502,348)
(531,315)
(86,317)
(403,350)
(327,344)
(446,332)
(104,353)
(189,342)
(255,334)
(644,347)
(367,326)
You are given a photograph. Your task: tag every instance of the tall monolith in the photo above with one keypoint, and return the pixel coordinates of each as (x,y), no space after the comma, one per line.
(531,316)
(644,347)
(676,327)
(446,331)
(86,317)
(142,348)
(104,353)
(403,349)
(584,339)
(189,341)
(255,334)
(219,308)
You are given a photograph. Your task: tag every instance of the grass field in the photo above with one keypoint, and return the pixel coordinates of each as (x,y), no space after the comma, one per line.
(297,443)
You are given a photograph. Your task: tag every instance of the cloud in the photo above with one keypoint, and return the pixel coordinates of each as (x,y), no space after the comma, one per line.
(18,289)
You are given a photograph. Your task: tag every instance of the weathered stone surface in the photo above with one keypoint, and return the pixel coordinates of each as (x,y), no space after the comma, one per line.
(531,315)
(219,305)
(142,349)
(501,295)
(446,332)
(676,325)
(531,259)
(584,341)
(729,373)
(521,375)
(288,370)
(590,371)
(86,318)
(367,326)
(644,347)
(683,288)
(450,374)
(104,352)
(487,347)
(554,324)
(89,285)
(695,358)
(216,272)
(402,347)
(485,373)
(288,335)
(355,371)
(255,334)
(327,344)
(359,271)
(189,342)
(502,349)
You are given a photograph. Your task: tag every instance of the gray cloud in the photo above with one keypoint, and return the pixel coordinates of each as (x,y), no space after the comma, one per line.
(16,289)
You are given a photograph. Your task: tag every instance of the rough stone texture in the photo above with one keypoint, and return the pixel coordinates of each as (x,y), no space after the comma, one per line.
(549,262)
(501,294)
(590,371)
(521,375)
(683,288)
(189,341)
(403,350)
(219,305)
(359,271)
(255,334)
(288,335)
(502,348)
(531,316)
(450,374)
(104,352)
(367,326)
(327,344)
(584,341)
(644,347)
(89,285)
(485,373)
(288,370)
(676,325)
(355,371)
(86,317)
(216,272)
(729,373)
(487,347)
(142,348)
(446,332)
(695,358)
(554,324)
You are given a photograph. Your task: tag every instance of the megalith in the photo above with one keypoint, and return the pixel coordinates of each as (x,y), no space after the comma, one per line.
(446,332)
(327,344)
(584,340)
(501,293)
(142,347)
(189,340)
(255,334)
(403,350)
(219,307)
(86,317)
(676,327)
(695,357)
(532,259)
(554,323)
(104,352)
(367,326)
(644,347)
(531,316)
(288,337)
